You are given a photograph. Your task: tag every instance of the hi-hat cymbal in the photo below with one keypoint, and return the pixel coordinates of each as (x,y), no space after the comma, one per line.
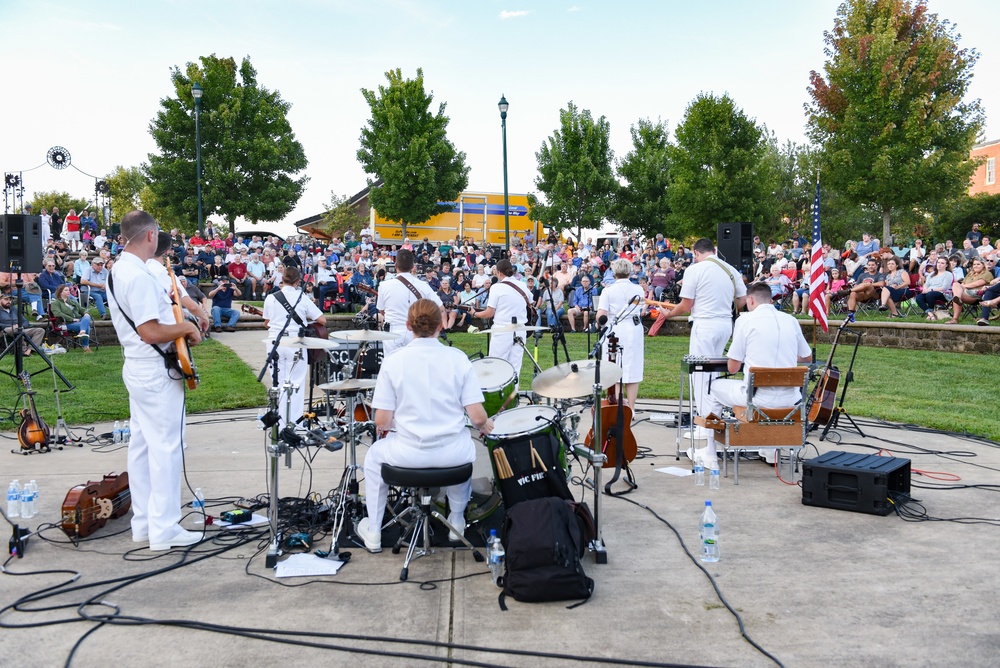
(348,385)
(309,343)
(512,327)
(574,379)
(364,335)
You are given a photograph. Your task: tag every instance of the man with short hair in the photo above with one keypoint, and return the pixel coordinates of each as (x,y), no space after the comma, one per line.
(222,305)
(507,302)
(868,285)
(95,277)
(9,318)
(395,295)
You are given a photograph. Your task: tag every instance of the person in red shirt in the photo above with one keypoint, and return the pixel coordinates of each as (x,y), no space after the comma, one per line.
(71,231)
(238,273)
(196,240)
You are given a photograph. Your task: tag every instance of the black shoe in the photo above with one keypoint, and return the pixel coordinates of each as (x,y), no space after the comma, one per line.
(883,307)
(217,329)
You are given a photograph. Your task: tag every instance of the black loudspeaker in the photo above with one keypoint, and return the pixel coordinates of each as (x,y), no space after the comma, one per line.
(856,482)
(735,246)
(21,243)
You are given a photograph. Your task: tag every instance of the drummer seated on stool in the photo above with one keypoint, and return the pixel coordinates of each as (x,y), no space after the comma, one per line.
(422,395)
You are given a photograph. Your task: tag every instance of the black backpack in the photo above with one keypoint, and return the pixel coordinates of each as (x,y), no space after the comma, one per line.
(544,542)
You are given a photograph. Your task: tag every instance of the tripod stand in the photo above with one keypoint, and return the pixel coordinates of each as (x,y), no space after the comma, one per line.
(19,340)
(848,378)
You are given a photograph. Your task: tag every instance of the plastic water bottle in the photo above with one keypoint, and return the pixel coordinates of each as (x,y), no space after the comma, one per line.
(260,419)
(495,555)
(126,433)
(709,534)
(116,435)
(199,506)
(699,474)
(14,499)
(27,508)
(34,497)
(713,476)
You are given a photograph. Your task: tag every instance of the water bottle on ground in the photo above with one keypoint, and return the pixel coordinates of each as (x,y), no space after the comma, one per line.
(260,419)
(126,433)
(709,534)
(199,506)
(495,555)
(116,435)
(699,474)
(713,476)
(14,499)
(34,498)
(27,512)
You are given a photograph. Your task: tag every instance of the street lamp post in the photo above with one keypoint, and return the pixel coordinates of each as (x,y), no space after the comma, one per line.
(196,93)
(506,207)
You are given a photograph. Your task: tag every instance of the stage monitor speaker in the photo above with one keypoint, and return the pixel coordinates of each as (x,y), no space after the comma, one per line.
(735,246)
(21,243)
(856,482)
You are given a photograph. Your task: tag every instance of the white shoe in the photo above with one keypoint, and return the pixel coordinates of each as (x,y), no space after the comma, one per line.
(182,538)
(140,538)
(373,543)
(459,524)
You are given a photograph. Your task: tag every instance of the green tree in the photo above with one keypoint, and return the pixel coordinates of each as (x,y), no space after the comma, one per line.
(406,146)
(575,172)
(63,200)
(641,204)
(249,154)
(722,169)
(889,112)
(340,216)
(956,216)
(125,183)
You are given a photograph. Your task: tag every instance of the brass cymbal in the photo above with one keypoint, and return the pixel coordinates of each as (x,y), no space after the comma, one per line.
(574,379)
(512,327)
(364,335)
(309,343)
(348,385)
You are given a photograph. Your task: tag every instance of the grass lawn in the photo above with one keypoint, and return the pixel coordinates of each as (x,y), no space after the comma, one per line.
(99,394)
(931,389)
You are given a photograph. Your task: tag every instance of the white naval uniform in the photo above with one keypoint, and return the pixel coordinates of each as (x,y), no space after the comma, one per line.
(293,364)
(615,299)
(427,386)
(156,403)
(505,298)
(395,299)
(711,288)
(764,337)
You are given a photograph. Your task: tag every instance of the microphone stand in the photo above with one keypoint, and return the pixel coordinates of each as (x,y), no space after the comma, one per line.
(558,333)
(590,312)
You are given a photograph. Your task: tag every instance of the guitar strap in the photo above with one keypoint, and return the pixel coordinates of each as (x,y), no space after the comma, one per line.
(716,261)
(409,286)
(527,302)
(170,360)
(281,299)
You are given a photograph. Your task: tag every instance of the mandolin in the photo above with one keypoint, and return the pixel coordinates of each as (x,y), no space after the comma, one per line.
(824,396)
(87,508)
(188,369)
(33,434)
(616,421)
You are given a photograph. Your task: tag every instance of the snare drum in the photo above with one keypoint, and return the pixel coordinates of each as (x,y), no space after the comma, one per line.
(497,380)
(520,436)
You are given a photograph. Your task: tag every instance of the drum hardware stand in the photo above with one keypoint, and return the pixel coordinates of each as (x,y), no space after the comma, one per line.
(349,498)
(62,433)
(19,339)
(848,377)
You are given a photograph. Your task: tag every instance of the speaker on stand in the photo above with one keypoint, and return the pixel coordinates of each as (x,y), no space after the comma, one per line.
(735,246)
(21,243)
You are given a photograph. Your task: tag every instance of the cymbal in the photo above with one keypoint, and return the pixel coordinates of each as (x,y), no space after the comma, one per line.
(512,327)
(309,343)
(348,385)
(364,335)
(574,379)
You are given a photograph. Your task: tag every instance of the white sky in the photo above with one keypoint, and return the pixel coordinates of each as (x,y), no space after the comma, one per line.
(89,76)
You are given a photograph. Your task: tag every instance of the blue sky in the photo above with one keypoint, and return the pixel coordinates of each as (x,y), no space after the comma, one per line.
(89,75)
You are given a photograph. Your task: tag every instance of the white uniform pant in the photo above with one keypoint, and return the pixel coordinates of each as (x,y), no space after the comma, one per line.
(708,339)
(294,371)
(155,459)
(391,450)
(503,346)
(389,347)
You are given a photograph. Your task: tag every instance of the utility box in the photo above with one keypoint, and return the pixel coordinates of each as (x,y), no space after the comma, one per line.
(857,482)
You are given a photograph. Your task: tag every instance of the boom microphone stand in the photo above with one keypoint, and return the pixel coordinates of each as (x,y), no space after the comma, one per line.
(848,377)
(558,331)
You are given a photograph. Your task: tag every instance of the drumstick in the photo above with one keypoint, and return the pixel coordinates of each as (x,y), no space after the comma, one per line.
(503,407)
(501,461)
(537,457)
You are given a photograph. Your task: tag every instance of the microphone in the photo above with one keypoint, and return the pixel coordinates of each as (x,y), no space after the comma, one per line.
(602,322)
(493,280)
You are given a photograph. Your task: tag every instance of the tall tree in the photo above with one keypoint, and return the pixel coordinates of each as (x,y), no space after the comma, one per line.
(406,146)
(63,200)
(889,112)
(641,204)
(721,169)
(575,172)
(339,216)
(249,153)
(125,183)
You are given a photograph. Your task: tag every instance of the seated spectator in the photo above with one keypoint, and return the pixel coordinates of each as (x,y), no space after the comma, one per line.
(95,278)
(991,297)
(583,303)
(50,279)
(9,318)
(222,305)
(71,315)
(897,281)
(238,272)
(551,303)
(970,289)
(867,286)
(448,298)
(256,272)
(936,288)
(916,255)
(661,278)
(217,271)
(193,291)
(778,282)
(835,285)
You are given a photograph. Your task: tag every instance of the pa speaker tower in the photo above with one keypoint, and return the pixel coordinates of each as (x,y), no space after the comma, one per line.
(21,243)
(735,246)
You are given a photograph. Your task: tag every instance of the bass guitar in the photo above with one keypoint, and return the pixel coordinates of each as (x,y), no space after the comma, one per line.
(33,434)
(616,423)
(824,396)
(252,310)
(187,367)
(87,508)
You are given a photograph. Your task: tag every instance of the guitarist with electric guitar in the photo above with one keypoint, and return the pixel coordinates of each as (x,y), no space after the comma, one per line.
(143,315)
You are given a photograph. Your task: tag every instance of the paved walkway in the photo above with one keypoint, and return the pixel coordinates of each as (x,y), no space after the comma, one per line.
(814,586)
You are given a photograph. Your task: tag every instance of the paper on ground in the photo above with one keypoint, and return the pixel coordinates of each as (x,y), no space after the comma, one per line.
(675,470)
(304,565)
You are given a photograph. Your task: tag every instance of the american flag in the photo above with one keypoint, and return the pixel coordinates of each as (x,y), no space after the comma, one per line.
(817,271)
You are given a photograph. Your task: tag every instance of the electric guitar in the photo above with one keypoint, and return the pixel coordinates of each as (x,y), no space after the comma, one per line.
(188,369)
(824,396)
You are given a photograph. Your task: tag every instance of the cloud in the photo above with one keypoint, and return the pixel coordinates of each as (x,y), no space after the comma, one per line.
(575,8)
(513,15)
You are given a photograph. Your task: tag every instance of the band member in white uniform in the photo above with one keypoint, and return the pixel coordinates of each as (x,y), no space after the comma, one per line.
(159,272)
(422,396)
(764,337)
(293,363)
(395,296)
(707,293)
(508,301)
(625,297)
(155,393)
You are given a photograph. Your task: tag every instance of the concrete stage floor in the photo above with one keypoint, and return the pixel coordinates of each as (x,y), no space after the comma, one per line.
(814,586)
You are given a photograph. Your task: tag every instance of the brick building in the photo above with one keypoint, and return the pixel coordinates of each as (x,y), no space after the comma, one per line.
(985,178)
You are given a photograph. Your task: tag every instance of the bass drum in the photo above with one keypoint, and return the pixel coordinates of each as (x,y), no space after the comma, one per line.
(528,454)
(498,381)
